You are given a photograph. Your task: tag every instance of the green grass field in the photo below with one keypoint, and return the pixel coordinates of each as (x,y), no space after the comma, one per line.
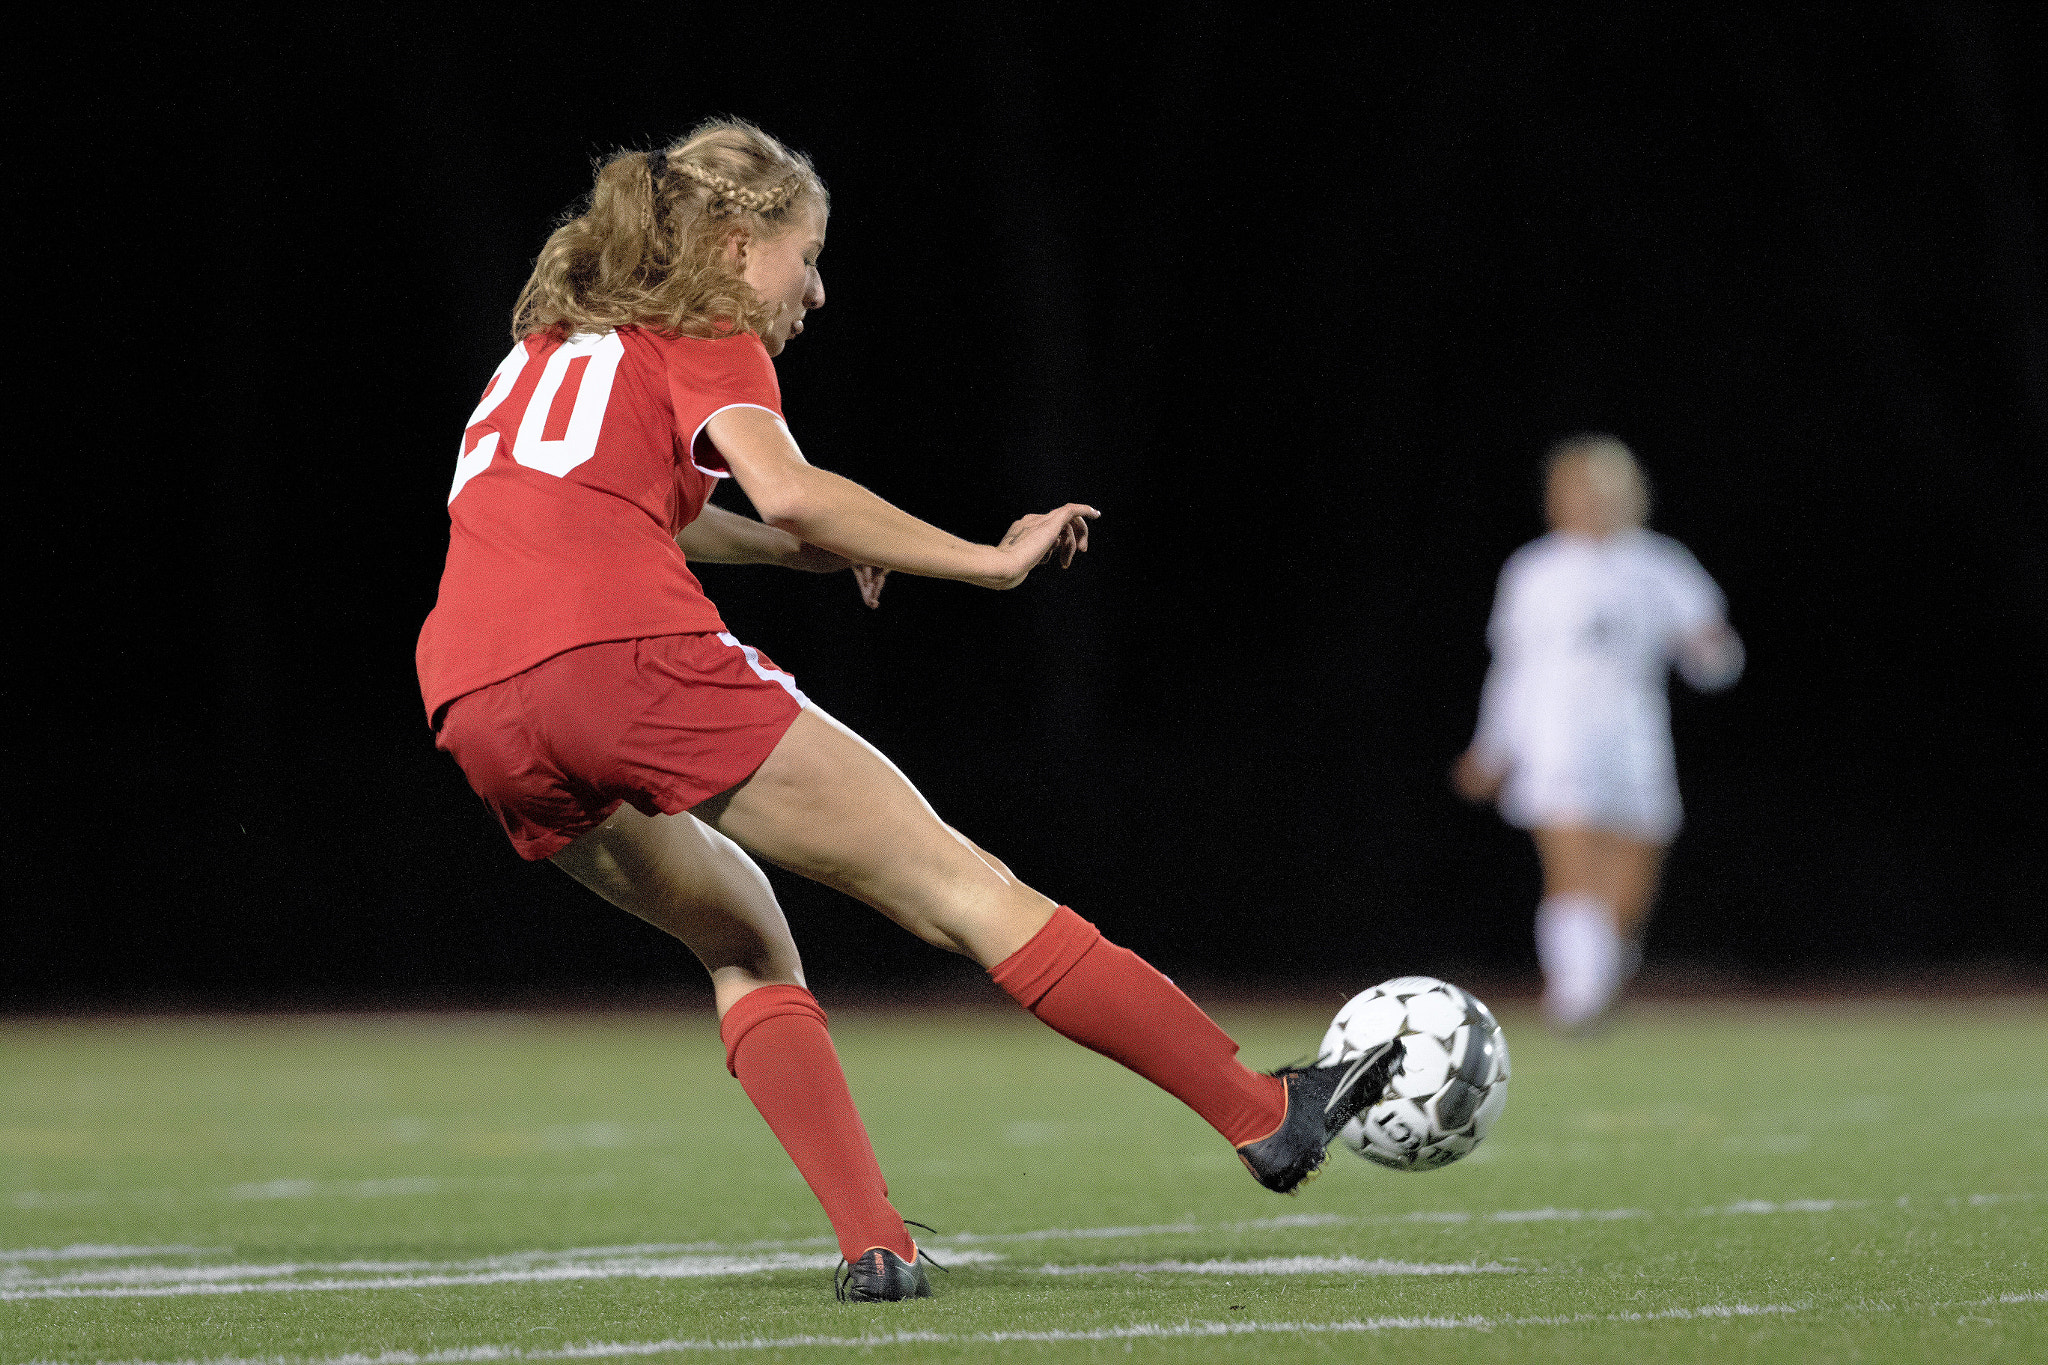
(1860,1182)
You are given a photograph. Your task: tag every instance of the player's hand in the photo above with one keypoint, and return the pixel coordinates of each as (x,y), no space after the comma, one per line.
(1031,541)
(1473,780)
(870,580)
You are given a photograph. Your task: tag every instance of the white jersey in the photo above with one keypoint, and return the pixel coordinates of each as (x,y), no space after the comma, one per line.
(1574,711)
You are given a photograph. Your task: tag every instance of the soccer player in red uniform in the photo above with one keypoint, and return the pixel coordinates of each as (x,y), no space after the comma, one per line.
(578,674)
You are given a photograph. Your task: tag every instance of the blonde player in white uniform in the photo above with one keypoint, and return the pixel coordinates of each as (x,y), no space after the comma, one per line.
(1574,735)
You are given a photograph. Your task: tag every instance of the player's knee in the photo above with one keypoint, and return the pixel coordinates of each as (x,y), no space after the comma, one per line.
(977,915)
(765,957)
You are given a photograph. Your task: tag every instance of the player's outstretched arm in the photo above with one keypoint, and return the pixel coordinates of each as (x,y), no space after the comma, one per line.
(821,508)
(721,537)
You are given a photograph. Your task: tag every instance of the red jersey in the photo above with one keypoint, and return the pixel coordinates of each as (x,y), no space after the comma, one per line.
(583,460)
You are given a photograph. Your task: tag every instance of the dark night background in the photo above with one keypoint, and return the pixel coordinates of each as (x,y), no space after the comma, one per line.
(1297,306)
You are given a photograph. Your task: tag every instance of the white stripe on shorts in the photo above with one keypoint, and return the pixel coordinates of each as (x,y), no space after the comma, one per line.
(786,681)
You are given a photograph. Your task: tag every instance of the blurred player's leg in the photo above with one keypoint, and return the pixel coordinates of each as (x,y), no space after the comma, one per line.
(1582,957)
(1597,889)
(1630,869)
(687,879)
(828,805)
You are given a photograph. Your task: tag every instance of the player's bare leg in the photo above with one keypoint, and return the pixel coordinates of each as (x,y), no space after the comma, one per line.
(687,879)
(1598,886)
(1622,872)
(830,806)
(693,883)
(1636,866)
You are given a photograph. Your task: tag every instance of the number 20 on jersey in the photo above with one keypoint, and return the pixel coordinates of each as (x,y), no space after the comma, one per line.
(556,428)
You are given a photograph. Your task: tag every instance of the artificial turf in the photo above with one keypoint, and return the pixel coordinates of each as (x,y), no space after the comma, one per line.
(1860,1181)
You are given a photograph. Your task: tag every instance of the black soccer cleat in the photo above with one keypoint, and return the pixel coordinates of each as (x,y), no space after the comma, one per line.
(1320,1101)
(880,1276)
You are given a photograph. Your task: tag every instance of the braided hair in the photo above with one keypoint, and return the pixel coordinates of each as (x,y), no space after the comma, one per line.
(728,197)
(648,247)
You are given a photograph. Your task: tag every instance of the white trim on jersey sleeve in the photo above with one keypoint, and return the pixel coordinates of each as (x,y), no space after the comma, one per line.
(721,473)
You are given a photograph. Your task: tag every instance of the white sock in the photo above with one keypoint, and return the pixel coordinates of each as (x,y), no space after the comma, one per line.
(1582,957)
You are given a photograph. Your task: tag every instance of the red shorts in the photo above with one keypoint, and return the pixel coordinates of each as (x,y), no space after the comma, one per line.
(663,723)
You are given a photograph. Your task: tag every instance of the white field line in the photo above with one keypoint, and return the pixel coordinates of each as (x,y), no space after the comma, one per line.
(1551,1216)
(1544,1215)
(1278,1265)
(175,1281)
(705,1259)
(614,1350)
(516,1260)
(1137,1331)
(651,1249)
(295,1187)
(397,1186)
(149,1282)
(90,1251)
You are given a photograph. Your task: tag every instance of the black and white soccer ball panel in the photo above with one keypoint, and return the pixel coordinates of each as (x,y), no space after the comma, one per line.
(1452,1081)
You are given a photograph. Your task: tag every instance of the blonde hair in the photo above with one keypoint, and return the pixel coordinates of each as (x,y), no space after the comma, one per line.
(647,248)
(1611,469)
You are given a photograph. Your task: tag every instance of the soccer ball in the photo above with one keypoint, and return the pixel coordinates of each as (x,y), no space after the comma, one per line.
(1451,1084)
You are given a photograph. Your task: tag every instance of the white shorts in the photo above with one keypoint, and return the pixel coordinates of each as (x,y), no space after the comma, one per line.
(1638,799)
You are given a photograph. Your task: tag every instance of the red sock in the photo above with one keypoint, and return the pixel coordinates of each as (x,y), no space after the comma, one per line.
(776,1044)
(1111,1000)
